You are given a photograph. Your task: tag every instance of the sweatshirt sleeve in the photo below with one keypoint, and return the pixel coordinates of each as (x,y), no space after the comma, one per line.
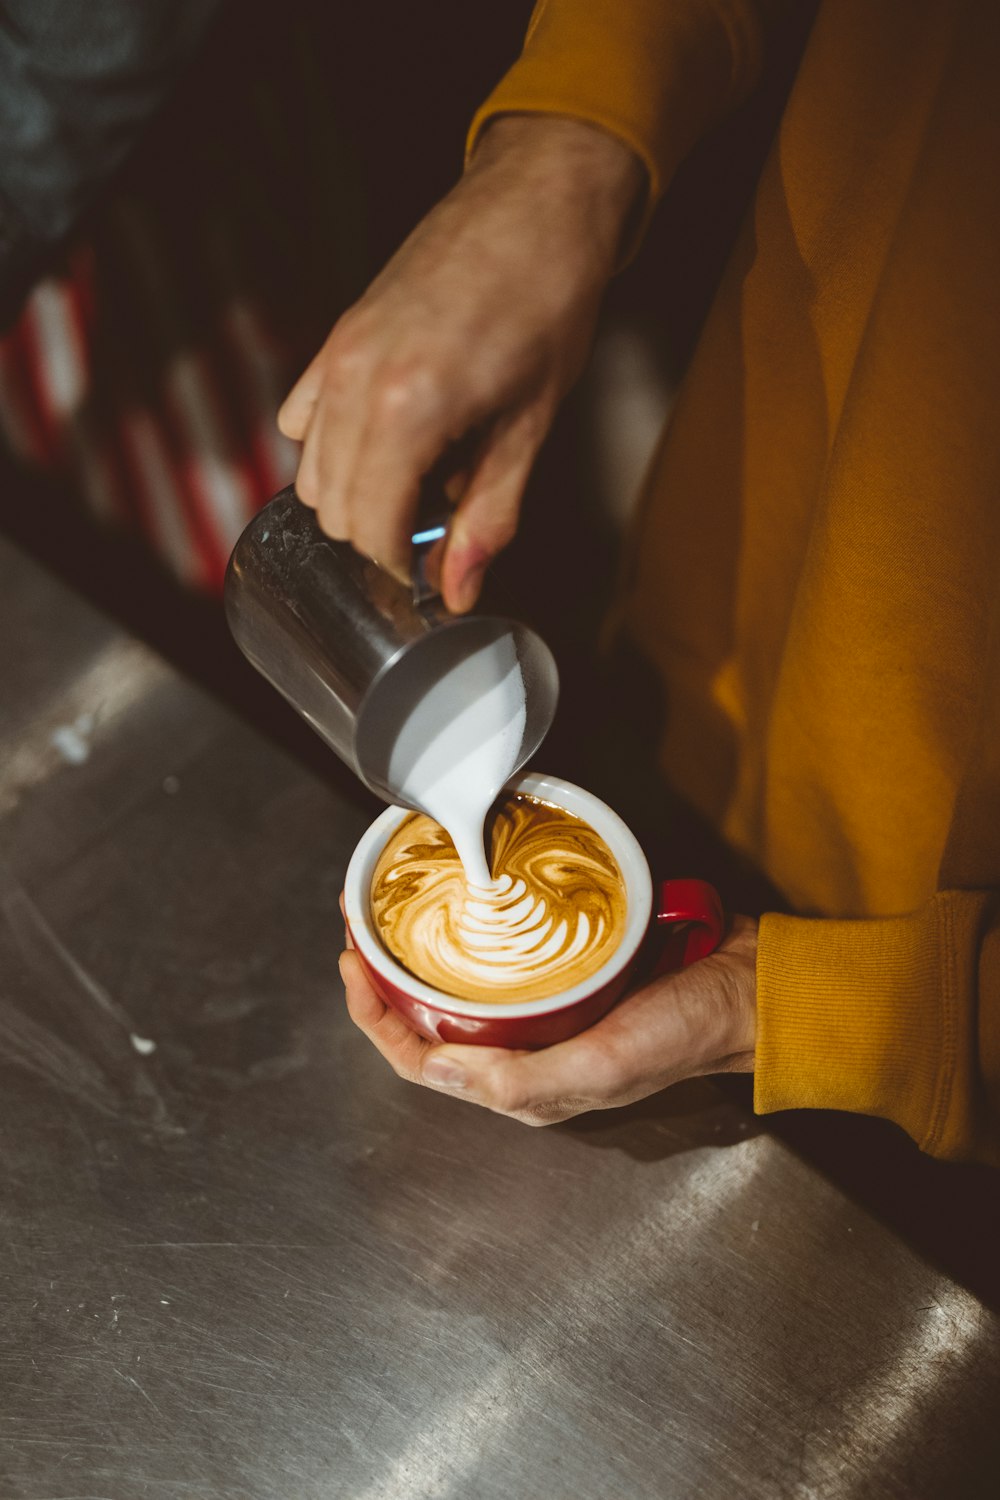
(656,73)
(897,1017)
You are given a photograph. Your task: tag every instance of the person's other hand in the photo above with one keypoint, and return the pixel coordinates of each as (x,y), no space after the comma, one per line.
(476,328)
(700,1020)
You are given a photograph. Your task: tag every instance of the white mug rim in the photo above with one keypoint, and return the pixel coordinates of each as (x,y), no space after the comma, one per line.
(616,833)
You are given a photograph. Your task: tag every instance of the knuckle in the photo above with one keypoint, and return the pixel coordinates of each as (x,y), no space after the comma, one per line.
(291,423)
(508,1095)
(484,531)
(551,1112)
(391,397)
(403,389)
(350,338)
(344,361)
(343,366)
(603,1065)
(500,530)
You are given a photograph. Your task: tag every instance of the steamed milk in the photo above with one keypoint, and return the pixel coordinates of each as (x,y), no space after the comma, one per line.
(453,764)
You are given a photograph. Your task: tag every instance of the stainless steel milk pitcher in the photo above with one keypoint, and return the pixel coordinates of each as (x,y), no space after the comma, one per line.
(355,650)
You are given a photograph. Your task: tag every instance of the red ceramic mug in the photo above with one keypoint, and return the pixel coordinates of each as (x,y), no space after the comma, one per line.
(690,909)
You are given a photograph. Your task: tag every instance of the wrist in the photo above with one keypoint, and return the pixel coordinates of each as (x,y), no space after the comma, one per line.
(738,988)
(571,161)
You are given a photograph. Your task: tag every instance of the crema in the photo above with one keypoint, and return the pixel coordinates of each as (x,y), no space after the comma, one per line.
(552,915)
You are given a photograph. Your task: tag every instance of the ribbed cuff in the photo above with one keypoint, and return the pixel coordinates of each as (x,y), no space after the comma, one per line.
(877,1017)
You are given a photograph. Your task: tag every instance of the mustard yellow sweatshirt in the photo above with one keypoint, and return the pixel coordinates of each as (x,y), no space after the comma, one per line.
(816,565)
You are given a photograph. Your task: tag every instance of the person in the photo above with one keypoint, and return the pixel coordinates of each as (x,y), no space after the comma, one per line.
(815,565)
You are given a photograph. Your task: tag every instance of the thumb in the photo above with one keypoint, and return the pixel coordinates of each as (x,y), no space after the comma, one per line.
(533,1086)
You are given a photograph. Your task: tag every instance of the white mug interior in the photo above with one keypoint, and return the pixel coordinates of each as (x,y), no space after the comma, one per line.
(616,834)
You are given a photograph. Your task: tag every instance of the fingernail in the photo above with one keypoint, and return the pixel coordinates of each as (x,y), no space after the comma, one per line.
(468,590)
(444,1072)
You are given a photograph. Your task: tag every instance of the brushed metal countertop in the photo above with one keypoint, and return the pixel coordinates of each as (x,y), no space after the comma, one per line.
(239,1260)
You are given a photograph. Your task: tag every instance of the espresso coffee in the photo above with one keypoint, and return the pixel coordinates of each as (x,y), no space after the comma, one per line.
(554,913)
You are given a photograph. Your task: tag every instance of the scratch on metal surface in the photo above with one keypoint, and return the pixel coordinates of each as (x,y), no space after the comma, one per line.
(130,1380)
(439,1458)
(100,1067)
(211,1245)
(37,1050)
(681,1337)
(120,674)
(32,932)
(880,1414)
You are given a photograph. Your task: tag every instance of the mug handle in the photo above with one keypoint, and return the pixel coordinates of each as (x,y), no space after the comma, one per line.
(691,912)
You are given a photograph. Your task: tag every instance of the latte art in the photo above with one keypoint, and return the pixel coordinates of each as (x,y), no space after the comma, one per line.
(553,915)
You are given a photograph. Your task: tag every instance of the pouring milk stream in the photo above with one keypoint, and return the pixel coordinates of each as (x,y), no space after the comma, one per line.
(453,764)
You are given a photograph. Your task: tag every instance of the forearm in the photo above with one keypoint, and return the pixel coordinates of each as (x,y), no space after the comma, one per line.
(654,74)
(598,179)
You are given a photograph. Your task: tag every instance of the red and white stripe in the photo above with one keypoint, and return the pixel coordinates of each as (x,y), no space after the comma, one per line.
(190,468)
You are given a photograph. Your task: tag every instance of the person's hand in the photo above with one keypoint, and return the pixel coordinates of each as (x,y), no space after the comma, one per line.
(476,328)
(700,1020)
